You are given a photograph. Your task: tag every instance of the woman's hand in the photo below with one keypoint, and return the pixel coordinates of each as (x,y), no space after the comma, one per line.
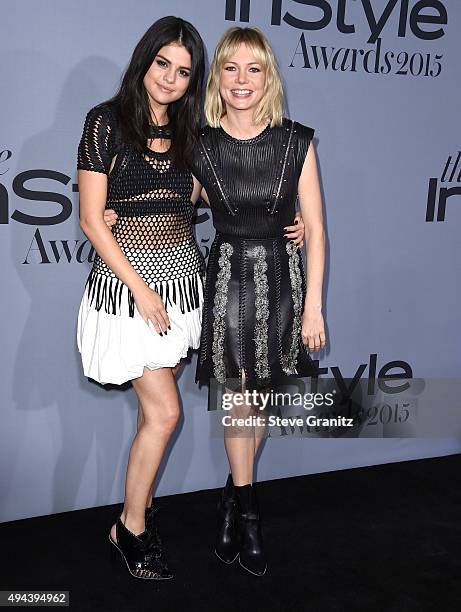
(151,308)
(110,217)
(296,232)
(313,328)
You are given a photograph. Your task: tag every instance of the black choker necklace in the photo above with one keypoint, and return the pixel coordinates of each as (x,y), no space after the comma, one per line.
(159,131)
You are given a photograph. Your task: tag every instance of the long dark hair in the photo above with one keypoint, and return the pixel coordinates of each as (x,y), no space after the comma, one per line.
(131,102)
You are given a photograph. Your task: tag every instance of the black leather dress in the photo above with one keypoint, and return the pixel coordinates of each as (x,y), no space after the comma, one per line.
(255,283)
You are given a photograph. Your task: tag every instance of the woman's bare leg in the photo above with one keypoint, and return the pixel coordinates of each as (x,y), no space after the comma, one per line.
(159,404)
(242,443)
(240,449)
(175,371)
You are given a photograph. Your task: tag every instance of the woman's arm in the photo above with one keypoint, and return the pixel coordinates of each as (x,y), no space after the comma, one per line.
(93,194)
(204,196)
(198,192)
(310,199)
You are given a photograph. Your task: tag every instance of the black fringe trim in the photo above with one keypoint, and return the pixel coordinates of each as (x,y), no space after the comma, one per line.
(105,292)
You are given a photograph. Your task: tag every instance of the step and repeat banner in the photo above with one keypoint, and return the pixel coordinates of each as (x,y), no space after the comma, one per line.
(379,82)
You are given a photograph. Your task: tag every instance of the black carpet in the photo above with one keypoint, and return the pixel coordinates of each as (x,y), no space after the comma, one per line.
(383,538)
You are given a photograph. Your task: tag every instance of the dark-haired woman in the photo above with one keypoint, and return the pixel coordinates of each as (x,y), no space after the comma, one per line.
(141,309)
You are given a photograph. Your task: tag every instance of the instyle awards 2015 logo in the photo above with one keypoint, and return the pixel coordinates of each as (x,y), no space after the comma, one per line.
(422,19)
(39,249)
(439,193)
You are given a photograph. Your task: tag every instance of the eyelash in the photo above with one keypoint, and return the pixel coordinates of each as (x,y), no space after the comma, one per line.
(163,64)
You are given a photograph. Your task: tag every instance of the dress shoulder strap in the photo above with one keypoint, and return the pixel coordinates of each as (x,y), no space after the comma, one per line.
(286,146)
(206,150)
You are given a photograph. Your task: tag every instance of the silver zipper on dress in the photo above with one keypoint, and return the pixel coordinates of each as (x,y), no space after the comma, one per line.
(229,208)
(283,169)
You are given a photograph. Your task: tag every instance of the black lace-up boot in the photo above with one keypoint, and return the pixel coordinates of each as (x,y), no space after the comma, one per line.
(142,553)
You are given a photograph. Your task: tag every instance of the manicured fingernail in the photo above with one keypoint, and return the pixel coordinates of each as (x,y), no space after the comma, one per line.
(161,333)
(296,222)
(169,326)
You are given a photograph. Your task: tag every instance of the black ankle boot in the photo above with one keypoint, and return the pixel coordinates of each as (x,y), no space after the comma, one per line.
(226,547)
(142,555)
(252,556)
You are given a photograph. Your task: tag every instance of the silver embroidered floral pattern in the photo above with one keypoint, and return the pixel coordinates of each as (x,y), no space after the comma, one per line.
(262,313)
(219,311)
(290,358)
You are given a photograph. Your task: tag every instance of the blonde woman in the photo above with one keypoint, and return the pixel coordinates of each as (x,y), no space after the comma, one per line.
(258,323)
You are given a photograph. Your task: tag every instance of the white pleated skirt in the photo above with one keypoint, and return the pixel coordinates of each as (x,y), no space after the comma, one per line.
(116,347)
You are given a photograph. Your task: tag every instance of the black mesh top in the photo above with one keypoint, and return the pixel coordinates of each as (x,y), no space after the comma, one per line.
(252,184)
(151,197)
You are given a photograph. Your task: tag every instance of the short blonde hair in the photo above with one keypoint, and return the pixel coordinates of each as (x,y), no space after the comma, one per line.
(270,108)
